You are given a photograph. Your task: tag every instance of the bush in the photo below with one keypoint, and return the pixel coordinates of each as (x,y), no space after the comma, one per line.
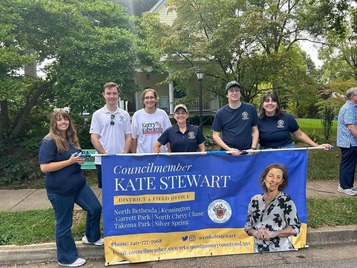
(206,119)
(84,136)
(327,121)
(315,135)
(18,166)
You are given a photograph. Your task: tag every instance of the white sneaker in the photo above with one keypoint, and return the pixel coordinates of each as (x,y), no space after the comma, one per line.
(99,242)
(78,262)
(346,191)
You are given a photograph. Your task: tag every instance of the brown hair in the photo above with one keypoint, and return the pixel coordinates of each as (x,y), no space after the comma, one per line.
(71,133)
(274,97)
(111,85)
(148,89)
(265,172)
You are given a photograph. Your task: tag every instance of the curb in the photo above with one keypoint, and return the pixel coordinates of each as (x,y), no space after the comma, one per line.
(44,253)
(332,235)
(47,252)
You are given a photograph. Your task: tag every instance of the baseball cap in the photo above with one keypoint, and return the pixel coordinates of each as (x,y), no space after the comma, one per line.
(232,84)
(180,106)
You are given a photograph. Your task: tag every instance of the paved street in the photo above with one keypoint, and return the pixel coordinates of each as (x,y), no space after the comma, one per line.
(328,256)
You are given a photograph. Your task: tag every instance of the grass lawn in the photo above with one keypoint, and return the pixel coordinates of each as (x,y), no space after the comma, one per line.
(35,226)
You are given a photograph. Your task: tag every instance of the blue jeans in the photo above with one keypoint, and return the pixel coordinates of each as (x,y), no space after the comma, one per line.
(63,208)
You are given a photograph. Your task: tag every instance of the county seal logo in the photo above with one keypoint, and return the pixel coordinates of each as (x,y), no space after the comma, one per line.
(191,135)
(280,123)
(219,211)
(245,116)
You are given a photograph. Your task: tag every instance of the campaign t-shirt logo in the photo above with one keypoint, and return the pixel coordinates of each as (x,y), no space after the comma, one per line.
(219,211)
(280,123)
(152,128)
(245,116)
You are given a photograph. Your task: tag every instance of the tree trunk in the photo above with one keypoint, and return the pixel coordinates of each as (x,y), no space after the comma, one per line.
(4,119)
(24,113)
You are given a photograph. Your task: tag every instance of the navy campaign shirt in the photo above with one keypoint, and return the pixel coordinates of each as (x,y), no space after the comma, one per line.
(66,181)
(182,142)
(236,125)
(275,132)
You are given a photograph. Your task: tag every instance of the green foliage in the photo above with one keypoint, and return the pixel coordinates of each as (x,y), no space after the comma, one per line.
(28,227)
(17,166)
(84,44)
(324,165)
(311,124)
(34,227)
(327,121)
(245,41)
(315,135)
(313,128)
(340,52)
(328,107)
(331,212)
(83,135)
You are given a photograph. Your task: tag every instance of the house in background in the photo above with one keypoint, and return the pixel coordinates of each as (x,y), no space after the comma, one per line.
(168,96)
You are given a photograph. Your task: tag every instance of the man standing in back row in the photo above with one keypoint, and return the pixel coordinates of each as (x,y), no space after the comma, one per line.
(110,128)
(347,141)
(237,122)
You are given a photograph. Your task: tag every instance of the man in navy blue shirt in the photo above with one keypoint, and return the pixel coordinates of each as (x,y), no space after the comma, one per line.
(236,122)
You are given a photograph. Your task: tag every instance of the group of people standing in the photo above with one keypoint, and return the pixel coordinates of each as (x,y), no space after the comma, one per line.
(236,128)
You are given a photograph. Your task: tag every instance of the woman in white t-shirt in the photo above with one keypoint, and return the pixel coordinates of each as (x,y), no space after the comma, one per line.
(148,123)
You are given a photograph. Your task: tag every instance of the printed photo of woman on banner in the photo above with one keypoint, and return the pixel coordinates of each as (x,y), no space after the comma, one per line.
(272,217)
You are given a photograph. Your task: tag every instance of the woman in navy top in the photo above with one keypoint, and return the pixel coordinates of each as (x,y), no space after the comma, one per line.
(275,126)
(60,159)
(181,137)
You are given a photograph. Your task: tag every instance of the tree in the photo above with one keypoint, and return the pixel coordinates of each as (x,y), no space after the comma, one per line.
(86,42)
(252,42)
(89,43)
(340,52)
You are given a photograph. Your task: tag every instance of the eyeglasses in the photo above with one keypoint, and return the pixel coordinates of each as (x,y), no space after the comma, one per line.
(234,90)
(149,98)
(112,119)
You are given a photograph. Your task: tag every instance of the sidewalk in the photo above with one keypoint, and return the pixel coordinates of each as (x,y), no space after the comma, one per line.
(36,199)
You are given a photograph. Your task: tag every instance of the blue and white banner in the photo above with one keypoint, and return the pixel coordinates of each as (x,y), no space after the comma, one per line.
(180,206)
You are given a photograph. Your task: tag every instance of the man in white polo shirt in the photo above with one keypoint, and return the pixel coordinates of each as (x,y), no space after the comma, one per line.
(110,128)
